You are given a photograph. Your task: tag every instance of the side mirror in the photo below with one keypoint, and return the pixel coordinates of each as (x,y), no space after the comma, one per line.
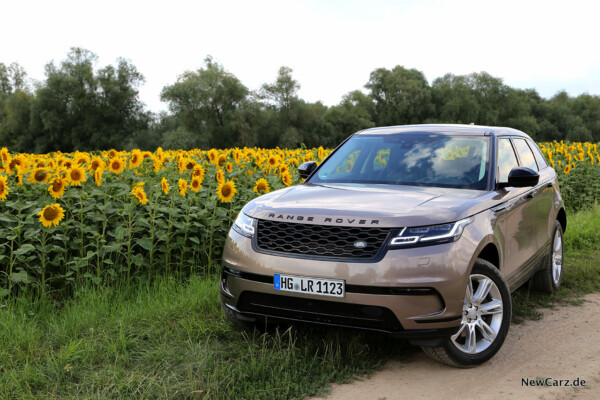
(306,169)
(521,177)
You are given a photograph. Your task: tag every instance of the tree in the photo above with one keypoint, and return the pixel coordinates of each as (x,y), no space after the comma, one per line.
(283,92)
(402,96)
(205,103)
(76,108)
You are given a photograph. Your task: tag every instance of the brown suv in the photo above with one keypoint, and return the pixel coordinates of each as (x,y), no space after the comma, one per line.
(417,231)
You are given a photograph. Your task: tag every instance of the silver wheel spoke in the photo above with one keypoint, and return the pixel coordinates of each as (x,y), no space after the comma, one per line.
(469,291)
(491,307)
(471,339)
(457,334)
(557,243)
(482,290)
(486,331)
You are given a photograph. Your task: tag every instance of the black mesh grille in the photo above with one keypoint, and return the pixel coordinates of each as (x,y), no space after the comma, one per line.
(319,311)
(319,240)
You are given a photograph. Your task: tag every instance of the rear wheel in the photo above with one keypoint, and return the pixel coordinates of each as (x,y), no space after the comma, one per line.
(549,278)
(485,320)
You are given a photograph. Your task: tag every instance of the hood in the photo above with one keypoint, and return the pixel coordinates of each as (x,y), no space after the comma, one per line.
(370,205)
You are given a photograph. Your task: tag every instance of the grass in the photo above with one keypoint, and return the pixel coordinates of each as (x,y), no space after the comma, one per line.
(168,339)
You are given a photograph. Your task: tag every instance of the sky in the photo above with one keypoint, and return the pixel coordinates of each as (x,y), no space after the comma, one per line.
(332,46)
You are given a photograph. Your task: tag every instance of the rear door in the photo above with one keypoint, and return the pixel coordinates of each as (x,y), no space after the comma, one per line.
(516,216)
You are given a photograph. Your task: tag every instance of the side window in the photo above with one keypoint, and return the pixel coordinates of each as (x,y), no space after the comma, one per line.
(506,159)
(539,157)
(525,154)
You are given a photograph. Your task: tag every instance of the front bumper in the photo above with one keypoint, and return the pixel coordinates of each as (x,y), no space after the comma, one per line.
(410,292)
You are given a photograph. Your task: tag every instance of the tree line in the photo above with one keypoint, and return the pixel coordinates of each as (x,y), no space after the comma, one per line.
(81,107)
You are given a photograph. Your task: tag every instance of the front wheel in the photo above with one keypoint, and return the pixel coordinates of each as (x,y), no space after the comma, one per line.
(485,320)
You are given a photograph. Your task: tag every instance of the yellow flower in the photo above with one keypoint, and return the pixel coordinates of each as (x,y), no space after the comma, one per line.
(220,176)
(567,169)
(164,184)
(4,156)
(96,163)
(199,171)
(262,186)
(75,176)
(273,160)
(136,158)
(196,184)
(213,156)
(182,187)
(51,215)
(140,194)
(116,165)
(3,187)
(286,178)
(57,188)
(228,167)
(98,176)
(39,175)
(226,191)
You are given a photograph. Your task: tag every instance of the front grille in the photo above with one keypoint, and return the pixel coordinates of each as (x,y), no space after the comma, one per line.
(319,311)
(319,240)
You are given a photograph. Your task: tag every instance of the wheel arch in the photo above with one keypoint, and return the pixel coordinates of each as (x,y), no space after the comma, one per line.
(561,217)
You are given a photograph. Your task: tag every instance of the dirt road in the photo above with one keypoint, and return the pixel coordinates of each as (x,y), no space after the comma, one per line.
(565,344)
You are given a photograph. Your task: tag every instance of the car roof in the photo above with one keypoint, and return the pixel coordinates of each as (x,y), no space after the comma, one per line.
(444,129)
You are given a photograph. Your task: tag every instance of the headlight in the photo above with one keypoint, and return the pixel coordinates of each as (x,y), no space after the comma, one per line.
(244,225)
(430,235)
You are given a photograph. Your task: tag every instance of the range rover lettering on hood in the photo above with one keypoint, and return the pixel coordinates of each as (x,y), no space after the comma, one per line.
(325,219)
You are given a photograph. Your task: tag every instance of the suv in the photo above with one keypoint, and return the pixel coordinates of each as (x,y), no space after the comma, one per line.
(418,231)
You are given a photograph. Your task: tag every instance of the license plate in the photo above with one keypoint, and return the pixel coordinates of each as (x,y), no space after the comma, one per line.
(304,284)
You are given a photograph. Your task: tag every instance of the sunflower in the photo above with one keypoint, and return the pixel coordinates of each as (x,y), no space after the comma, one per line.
(567,169)
(139,193)
(164,184)
(273,160)
(196,184)
(57,188)
(3,188)
(4,156)
(262,186)
(39,175)
(116,165)
(226,191)
(237,155)
(182,187)
(199,171)
(286,178)
(213,156)
(228,167)
(82,158)
(283,169)
(96,163)
(51,215)
(98,176)
(112,153)
(75,176)
(220,176)
(222,159)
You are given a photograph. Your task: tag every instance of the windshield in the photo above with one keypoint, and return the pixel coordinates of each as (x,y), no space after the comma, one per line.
(409,159)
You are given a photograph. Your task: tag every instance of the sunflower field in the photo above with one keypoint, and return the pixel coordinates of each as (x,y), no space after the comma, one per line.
(118,215)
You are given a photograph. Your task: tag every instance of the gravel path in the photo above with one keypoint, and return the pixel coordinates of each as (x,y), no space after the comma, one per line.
(565,344)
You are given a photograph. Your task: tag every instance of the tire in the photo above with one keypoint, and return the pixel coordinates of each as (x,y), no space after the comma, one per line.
(484,318)
(549,278)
